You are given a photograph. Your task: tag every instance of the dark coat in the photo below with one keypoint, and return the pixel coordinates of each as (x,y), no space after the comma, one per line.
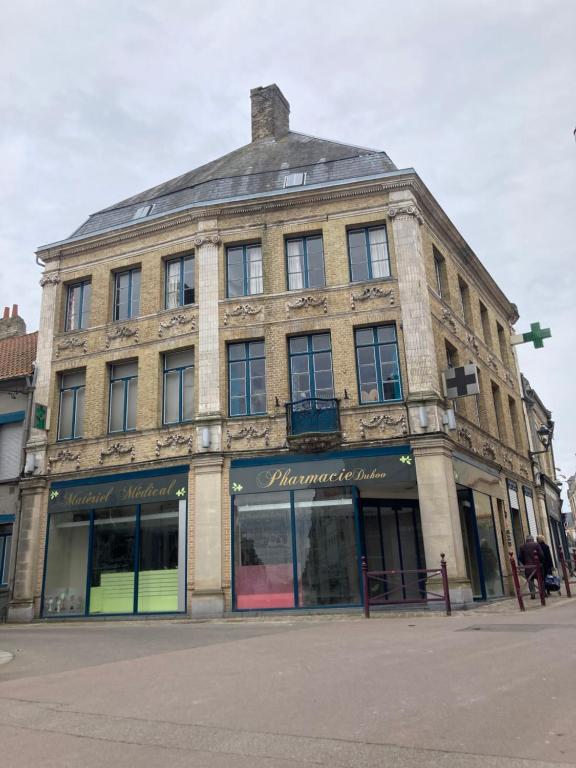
(527,555)
(547,560)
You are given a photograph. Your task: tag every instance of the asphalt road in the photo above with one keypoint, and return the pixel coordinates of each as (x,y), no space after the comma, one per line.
(472,691)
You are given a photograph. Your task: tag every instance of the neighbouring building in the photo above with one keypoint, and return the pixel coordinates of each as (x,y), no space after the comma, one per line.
(17,355)
(243,373)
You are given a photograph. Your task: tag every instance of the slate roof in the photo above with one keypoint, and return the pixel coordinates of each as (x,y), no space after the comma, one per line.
(17,353)
(253,169)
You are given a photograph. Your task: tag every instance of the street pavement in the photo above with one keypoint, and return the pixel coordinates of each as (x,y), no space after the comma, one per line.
(477,690)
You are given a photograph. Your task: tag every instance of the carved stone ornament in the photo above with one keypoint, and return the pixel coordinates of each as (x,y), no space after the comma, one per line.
(507,459)
(243,311)
(200,240)
(472,343)
(407,210)
(448,319)
(175,321)
(307,301)
(465,436)
(248,433)
(382,421)
(123,332)
(64,455)
(74,341)
(50,278)
(117,449)
(491,361)
(488,451)
(371,292)
(174,438)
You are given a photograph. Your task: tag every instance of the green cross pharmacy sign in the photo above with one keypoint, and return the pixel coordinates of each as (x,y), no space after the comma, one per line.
(536,335)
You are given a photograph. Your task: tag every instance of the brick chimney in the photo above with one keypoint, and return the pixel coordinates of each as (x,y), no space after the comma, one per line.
(270,113)
(11,325)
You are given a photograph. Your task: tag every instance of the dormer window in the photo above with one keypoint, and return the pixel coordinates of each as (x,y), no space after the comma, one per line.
(144,211)
(294,180)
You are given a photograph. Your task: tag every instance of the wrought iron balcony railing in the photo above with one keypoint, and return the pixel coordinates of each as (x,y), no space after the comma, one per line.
(313,415)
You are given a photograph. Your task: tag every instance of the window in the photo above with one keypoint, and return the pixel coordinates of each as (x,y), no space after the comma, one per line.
(144,211)
(451,355)
(294,179)
(516,431)
(123,394)
(178,386)
(465,301)
(378,368)
(179,282)
(126,294)
(305,258)
(440,275)
(311,366)
(78,306)
(71,414)
(5,547)
(244,270)
(499,411)
(485,325)
(247,378)
(502,343)
(368,253)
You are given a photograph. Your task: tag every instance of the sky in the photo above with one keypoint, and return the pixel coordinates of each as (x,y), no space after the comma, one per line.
(101,100)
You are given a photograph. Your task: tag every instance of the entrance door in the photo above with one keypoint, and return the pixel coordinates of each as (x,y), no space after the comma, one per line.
(480,544)
(392,539)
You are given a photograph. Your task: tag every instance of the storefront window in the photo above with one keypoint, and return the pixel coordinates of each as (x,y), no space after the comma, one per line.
(488,545)
(66,564)
(158,566)
(326,547)
(263,551)
(112,573)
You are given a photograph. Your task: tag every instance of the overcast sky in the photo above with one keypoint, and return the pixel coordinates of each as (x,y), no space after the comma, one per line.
(103,99)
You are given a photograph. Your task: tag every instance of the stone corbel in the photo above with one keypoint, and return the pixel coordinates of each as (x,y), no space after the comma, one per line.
(50,278)
(177,320)
(507,459)
(448,319)
(465,436)
(174,438)
(117,449)
(381,422)
(243,311)
(307,301)
(64,455)
(123,332)
(248,433)
(74,341)
(488,451)
(407,210)
(371,292)
(491,361)
(472,343)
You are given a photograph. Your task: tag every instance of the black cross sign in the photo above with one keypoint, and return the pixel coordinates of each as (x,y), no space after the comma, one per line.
(460,381)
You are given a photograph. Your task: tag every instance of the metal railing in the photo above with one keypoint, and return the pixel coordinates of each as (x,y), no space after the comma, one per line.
(532,575)
(313,415)
(415,580)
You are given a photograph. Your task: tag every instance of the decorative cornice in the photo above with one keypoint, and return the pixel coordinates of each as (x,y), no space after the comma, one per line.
(177,320)
(307,301)
(408,210)
(381,421)
(248,433)
(50,278)
(371,292)
(243,311)
(63,455)
(74,341)
(118,449)
(123,332)
(201,240)
(174,438)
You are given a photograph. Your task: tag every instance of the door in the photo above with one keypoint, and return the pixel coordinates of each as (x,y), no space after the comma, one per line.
(480,544)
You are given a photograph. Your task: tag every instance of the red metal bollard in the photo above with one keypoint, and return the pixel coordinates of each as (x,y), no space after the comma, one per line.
(365,587)
(516,581)
(540,577)
(565,574)
(445,586)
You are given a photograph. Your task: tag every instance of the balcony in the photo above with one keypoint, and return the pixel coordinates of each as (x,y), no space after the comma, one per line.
(313,424)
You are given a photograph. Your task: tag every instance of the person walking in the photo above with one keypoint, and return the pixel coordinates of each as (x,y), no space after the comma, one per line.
(547,561)
(529,555)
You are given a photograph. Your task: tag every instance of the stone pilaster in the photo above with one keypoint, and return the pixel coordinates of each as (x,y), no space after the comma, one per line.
(440,515)
(208,596)
(208,335)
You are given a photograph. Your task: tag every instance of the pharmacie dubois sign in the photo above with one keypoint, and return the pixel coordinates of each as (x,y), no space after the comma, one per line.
(359,468)
(114,493)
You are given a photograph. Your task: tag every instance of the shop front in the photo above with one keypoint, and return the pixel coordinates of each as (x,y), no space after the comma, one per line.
(302,523)
(553,504)
(117,545)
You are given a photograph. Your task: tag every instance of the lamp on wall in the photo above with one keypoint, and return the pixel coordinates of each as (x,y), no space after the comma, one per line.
(545,436)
